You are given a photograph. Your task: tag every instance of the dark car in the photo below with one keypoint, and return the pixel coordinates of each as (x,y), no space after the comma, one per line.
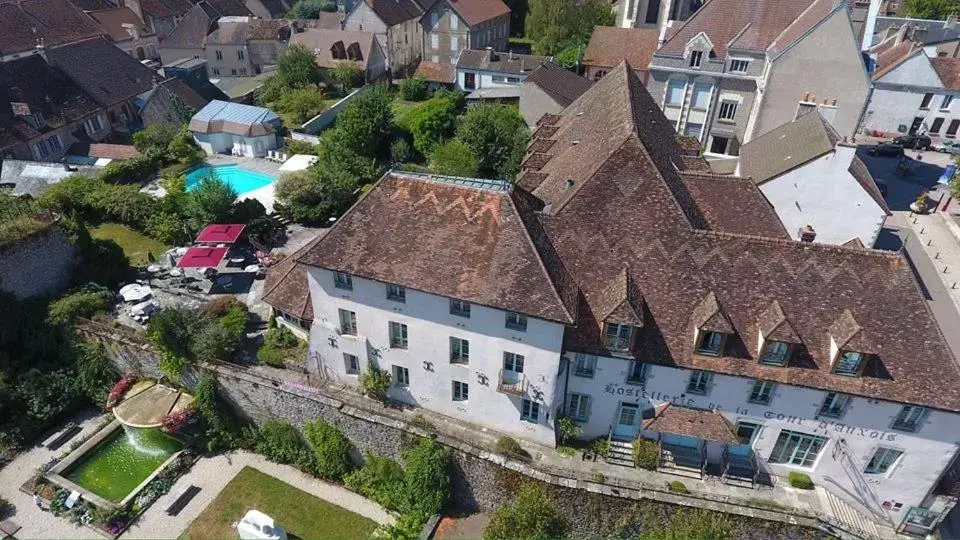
(916,142)
(886,149)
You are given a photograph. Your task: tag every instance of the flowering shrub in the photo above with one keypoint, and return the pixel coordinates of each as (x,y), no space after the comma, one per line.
(176,421)
(119,389)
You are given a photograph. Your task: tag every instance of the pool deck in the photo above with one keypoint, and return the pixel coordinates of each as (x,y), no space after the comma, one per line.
(259,165)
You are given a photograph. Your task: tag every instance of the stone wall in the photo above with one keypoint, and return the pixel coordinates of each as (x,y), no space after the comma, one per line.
(38,264)
(481,480)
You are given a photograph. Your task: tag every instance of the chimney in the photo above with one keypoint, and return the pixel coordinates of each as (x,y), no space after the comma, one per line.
(41,49)
(567,184)
(807,234)
(490,56)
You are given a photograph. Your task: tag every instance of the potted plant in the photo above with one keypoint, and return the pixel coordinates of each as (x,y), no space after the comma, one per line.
(919,206)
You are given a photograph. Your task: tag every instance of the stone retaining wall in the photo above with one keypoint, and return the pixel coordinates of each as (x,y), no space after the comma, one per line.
(38,264)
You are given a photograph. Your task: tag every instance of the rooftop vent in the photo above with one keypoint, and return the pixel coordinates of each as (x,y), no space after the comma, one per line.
(567,184)
(807,234)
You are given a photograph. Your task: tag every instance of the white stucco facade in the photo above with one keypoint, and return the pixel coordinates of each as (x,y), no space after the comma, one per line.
(910,99)
(824,194)
(222,143)
(427,357)
(851,440)
(488,79)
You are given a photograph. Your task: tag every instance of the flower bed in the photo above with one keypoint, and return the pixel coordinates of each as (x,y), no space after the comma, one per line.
(119,389)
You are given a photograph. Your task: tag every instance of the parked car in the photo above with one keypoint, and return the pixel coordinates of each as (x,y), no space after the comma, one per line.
(948,147)
(886,149)
(916,142)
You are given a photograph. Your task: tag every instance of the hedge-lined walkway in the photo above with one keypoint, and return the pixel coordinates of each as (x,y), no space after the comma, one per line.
(212,474)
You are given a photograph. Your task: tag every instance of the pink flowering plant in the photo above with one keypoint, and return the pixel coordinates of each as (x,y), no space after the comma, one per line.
(119,389)
(178,420)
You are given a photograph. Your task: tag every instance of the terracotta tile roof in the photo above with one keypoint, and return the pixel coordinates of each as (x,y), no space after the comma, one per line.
(187,95)
(113,21)
(700,423)
(775,326)
(285,287)
(562,85)
(42,89)
(393,12)
(23,22)
(733,204)
(817,11)
(740,25)
(200,20)
(787,147)
(474,12)
(459,238)
(490,60)
(621,302)
(103,71)
(629,208)
(948,69)
(894,56)
(610,45)
(165,8)
(322,43)
(436,72)
(102,150)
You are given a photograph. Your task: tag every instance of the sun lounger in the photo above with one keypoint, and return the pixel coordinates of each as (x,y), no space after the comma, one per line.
(72,499)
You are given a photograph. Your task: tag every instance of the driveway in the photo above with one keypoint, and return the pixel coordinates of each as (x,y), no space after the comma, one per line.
(904,188)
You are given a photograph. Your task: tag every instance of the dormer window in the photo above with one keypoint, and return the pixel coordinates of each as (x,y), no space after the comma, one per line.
(777,337)
(711,343)
(775,353)
(342,280)
(849,363)
(696,57)
(618,337)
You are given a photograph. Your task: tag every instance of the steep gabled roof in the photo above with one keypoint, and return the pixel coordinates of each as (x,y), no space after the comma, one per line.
(459,238)
(710,317)
(393,12)
(786,147)
(773,325)
(105,72)
(474,12)
(562,85)
(610,45)
(948,69)
(285,286)
(24,22)
(621,302)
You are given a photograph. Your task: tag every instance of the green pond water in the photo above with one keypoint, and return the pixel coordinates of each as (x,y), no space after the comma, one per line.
(125,459)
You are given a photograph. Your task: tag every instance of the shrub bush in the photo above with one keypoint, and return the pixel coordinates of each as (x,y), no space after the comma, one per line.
(95,373)
(215,342)
(235,320)
(600,447)
(508,445)
(375,382)
(678,487)
(800,480)
(272,357)
(219,306)
(381,479)
(280,442)
(279,345)
(428,477)
(646,454)
(84,302)
(413,89)
(222,429)
(533,515)
(567,429)
(331,448)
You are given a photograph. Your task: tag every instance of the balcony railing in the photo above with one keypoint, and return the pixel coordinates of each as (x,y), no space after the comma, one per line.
(513,383)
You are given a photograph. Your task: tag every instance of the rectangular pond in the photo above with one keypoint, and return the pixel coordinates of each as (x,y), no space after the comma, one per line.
(122,461)
(241,180)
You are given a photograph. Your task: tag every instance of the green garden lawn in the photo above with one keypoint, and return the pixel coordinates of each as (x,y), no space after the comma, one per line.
(301,514)
(134,244)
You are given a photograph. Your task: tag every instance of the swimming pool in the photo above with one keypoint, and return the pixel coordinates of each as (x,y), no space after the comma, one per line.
(240,180)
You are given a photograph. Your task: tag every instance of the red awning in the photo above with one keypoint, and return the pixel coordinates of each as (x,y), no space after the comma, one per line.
(220,234)
(202,257)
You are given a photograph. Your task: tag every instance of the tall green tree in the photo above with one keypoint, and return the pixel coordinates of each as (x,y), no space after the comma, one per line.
(932,9)
(454,158)
(556,24)
(497,136)
(297,67)
(431,122)
(534,515)
(310,9)
(209,202)
(301,104)
(365,125)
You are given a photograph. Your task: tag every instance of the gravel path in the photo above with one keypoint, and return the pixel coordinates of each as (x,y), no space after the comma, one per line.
(212,474)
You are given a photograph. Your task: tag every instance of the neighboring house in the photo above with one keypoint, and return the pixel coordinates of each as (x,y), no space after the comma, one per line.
(222,127)
(615,287)
(193,71)
(112,78)
(27,24)
(450,26)
(396,23)
(43,112)
(815,182)
(736,70)
(488,74)
(331,47)
(27,177)
(99,154)
(247,46)
(914,93)
(187,38)
(162,16)
(128,32)
(436,74)
(172,103)
(658,14)
(548,90)
(610,45)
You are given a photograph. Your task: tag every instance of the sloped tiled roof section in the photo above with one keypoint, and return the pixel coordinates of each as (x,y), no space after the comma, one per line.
(773,325)
(610,45)
(621,211)
(490,60)
(103,71)
(393,12)
(786,147)
(475,12)
(948,69)
(459,238)
(113,21)
(733,204)
(286,288)
(562,85)
(700,423)
(735,24)
(24,22)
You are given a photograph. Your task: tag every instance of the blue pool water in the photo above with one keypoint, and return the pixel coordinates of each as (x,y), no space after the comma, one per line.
(239,179)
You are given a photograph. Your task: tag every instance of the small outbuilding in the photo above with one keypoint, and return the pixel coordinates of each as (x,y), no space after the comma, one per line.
(233,128)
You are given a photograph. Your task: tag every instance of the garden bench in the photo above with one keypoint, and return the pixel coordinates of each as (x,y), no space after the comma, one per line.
(180,501)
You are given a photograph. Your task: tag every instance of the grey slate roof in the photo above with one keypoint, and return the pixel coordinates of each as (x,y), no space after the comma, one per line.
(787,147)
(236,118)
(105,72)
(34,177)
(562,85)
(489,60)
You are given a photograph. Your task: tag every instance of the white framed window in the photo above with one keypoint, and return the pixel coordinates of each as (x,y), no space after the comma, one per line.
(910,418)
(516,321)
(584,365)
(530,411)
(710,344)
(35,120)
(693,130)
(93,124)
(637,373)
(459,351)
(739,66)
(618,337)
(578,407)
(700,382)
(54,143)
(460,308)
(435,41)
(454,43)
(454,22)
(461,391)
(401,376)
(728,110)
(513,362)
(342,281)
(216,72)
(351,364)
(747,431)
(925,100)
(675,90)
(701,96)
(397,293)
(795,448)
(398,335)
(762,392)
(946,102)
(834,405)
(775,353)
(348,322)
(849,363)
(696,57)
(233,72)
(883,460)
